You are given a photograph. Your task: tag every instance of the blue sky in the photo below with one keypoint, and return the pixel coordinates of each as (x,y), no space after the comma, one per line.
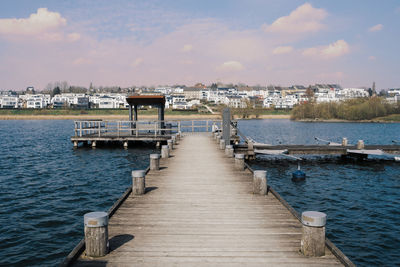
(184,42)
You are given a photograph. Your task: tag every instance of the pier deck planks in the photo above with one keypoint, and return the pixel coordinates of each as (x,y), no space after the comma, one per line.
(201,212)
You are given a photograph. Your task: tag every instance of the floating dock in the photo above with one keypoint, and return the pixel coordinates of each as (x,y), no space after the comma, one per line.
(198,210)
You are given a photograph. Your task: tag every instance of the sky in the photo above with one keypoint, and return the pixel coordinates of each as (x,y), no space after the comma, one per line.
(163,42)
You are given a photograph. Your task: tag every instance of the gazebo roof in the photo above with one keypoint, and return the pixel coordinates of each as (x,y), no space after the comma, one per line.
(146,100)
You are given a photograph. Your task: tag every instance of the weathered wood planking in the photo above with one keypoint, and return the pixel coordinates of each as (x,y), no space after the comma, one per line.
(200,211)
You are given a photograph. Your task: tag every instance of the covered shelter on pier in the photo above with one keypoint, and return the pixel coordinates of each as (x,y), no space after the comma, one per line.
(146,100)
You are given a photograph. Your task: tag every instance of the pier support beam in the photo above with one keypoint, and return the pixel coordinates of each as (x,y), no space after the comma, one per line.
(239,162)
(154,162)
(138,182)
(96,234)
(125,144)
(260,182)
(313,233)
(164,152)
(360,144)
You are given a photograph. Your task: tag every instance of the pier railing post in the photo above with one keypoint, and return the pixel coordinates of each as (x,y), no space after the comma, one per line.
(154,162)
(239,162)
(170,145)
(313,233)
(138,182)
(260,182)
(360,144)
(229,151)
(344,141)
(164,151)
(96,233)
(222,144)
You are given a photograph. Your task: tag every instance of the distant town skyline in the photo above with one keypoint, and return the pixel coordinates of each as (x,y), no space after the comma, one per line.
(125,43)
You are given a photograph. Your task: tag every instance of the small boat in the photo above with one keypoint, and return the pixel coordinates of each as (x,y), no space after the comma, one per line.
(396,158)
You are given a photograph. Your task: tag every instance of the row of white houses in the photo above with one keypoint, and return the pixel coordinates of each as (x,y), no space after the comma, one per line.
(179,98)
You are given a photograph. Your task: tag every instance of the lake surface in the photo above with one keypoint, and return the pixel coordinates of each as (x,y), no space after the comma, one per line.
(47,186)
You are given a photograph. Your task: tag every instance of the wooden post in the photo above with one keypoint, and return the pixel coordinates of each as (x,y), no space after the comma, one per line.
(260,182)
(229,151)
(138,182)
(99,128)
(179,126)
(207,126)
(344,141)
(164,151)
(239,162)
(313,233)
(222,144)
(154,162)
(80,129)
(170,145)
(192,126)
(96,234)
(360,144)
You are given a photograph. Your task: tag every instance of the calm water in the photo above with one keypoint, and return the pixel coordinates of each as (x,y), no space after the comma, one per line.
(46,187)
(361,199)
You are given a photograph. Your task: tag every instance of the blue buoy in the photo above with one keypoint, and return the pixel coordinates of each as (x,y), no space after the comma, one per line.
(298,176)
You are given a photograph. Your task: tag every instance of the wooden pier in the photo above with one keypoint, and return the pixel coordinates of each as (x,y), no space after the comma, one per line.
(199,211)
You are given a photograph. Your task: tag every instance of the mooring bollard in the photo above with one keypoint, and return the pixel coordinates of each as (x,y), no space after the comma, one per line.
(154,162)
(229,151)
(313,233)
(93,144)
(170,145)
(215,135)
(360,144)
(138,182)
(260,182)
(239,162)
(164,152)
(125,144)
(222,144)
(75,144)
(344,141)
(96,233)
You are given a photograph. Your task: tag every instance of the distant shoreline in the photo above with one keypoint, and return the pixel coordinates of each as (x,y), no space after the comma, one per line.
(124,117)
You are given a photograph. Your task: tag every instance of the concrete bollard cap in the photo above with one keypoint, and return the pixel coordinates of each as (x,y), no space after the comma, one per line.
(239,156)
(313,218)
(260,173)
(154,156)
(138,173)
(95,219)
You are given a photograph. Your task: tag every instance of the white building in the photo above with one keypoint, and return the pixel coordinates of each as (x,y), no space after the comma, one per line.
(9,102)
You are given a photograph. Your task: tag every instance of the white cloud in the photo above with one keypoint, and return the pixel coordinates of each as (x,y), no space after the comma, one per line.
(72,37)
(282,50)
(231,66)
(303,19)
(137,62)
(187,48)
(334,50)
(39,22)
(376,28)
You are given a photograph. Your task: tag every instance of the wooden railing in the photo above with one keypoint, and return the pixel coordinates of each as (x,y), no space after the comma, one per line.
(100,128)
